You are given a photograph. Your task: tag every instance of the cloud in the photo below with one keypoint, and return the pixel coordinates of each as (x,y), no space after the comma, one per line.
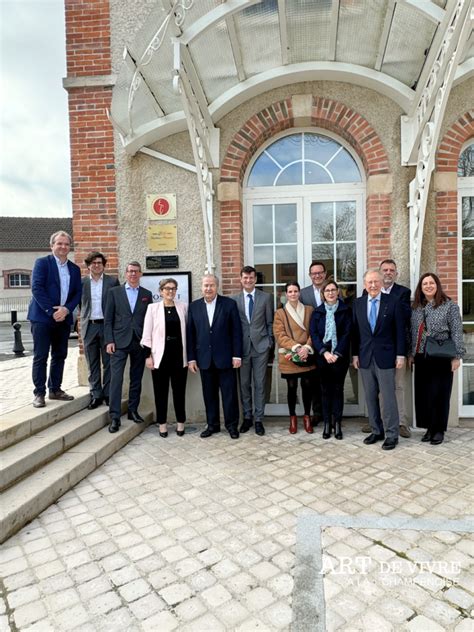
(34,169)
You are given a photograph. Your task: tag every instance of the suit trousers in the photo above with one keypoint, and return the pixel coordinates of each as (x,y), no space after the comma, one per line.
(381,382)
(213,379)
(253,374)
(332,388)
(161,383)
(94,350)
(433,386)
(46,336)
(118,360)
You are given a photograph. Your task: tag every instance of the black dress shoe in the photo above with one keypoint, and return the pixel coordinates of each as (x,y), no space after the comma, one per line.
(437,438)
(426,437)
(134,416)
(163,434)
(208,432)
(259,429)
(373,438)
(234,433)
(114,425)
(95,403)
(389,444)
(246,425)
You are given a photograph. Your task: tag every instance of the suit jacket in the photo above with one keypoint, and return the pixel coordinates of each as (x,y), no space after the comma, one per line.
(403,294)
(317,328)
(389,337)
(108,282)
(259,332)
(46,289)
(154,330)
(307,296)
(120,323)
(218,343)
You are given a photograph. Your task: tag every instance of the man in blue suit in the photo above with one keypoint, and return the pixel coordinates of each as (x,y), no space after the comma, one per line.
(56,288)
(379,347)
(214,343)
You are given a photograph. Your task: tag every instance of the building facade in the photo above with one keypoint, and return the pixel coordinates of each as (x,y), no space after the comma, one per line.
(276,133)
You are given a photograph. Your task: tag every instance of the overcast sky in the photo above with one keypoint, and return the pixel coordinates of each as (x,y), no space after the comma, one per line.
(34,137)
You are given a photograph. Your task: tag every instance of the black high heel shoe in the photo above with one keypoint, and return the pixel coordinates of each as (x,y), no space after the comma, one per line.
(180,433)
(163,434)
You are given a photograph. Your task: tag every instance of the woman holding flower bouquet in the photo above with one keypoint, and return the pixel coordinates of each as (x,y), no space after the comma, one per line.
(295,352)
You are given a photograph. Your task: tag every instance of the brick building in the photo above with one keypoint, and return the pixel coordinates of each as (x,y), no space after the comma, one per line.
(285,131)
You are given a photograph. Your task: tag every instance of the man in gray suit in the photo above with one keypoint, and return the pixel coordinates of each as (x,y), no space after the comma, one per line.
(256,315)
(125,311)
(311,295)
(95,287)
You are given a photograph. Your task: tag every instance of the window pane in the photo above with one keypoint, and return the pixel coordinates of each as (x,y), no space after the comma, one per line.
(469,343)
(468,216)
(286,150)
(468,301)
(468,259)
(315,174)
(324,253)
(263,261)
(319,148)
(345,221)
(468,385)
(344,168)
(263,172)
(348,292)
(322,220)
(290,175)
(346,262)
(466,162)
(285,223)
(262,224)
(286,263)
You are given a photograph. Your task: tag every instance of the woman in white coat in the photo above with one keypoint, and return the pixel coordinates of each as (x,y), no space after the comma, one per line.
(164,337)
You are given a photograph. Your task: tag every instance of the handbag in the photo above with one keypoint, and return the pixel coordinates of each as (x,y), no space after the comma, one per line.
(294,356)
(438,348)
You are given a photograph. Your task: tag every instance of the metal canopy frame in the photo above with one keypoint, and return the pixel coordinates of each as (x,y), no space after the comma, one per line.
(183,24)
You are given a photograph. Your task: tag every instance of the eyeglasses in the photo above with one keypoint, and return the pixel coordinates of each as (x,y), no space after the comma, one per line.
(317,273)
(330,291)
(169,288)
(133,271)
(97,263)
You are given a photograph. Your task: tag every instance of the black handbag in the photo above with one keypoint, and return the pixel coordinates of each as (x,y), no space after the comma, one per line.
(439,348)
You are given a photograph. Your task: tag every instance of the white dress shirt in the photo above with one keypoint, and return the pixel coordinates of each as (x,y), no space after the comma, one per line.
(96,298)
(211,308)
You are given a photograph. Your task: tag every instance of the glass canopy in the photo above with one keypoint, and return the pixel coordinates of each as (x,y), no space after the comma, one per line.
(237,49)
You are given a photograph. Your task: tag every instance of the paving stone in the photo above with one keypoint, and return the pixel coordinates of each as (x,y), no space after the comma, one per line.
(29,613)
(264,571)
(97,586)
(124,575)
(134,590)
(176,593)
(23,595)
(215,596)
(163,621)
(102,604)
(393,610)
(64,599)
(73,618)
(423,624)
(258,599)
(143,607)
(190,609)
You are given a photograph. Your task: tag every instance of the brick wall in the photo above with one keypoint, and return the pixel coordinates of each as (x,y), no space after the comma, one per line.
(446,202)
(91,135)
(326,114)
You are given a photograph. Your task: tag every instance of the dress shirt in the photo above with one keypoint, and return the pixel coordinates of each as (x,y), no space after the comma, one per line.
(211,308)
(387,290)
(96,298)
(64,279)
(317,296)
(247,301)
(369,305)
(132,295)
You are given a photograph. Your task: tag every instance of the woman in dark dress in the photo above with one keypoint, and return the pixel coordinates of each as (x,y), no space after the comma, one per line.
(330,330)
(164,336)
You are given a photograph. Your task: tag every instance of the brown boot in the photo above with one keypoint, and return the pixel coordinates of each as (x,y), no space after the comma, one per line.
(293,424)
(308,426)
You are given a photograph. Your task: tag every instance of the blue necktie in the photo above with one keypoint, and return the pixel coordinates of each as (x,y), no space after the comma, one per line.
(251,301)
(373,314)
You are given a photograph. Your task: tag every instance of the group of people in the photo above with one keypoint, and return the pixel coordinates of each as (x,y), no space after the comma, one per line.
(316,335)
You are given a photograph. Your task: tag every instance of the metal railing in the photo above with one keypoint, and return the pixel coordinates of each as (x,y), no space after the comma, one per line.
(11,303)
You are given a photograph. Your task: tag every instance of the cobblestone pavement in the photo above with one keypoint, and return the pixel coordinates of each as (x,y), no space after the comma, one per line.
(260,534)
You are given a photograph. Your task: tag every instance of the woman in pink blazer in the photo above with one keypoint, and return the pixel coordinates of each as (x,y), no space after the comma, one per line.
(164,338)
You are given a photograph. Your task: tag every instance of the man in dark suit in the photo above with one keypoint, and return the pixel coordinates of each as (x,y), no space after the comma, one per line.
(95,288)
(400,293)
(311,295)
(56,288)
(379,346)
(214,347)
(125,311)
(256,316)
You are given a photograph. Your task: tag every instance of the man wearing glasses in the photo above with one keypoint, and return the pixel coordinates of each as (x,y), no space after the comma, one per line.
(95,287)
(311,295)
(125,311)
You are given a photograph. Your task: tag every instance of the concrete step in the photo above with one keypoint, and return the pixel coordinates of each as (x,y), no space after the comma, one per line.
(29,497)
(18,460)
(27,421)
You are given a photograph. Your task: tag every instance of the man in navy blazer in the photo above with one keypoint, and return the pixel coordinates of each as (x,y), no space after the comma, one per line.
(125,310)
(379,346)
(214,344)
(56,288)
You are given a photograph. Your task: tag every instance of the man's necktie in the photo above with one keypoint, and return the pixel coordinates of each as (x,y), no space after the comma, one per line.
(251,301)
(373,313)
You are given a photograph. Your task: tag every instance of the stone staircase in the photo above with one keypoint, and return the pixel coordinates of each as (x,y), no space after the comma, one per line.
(46,451)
